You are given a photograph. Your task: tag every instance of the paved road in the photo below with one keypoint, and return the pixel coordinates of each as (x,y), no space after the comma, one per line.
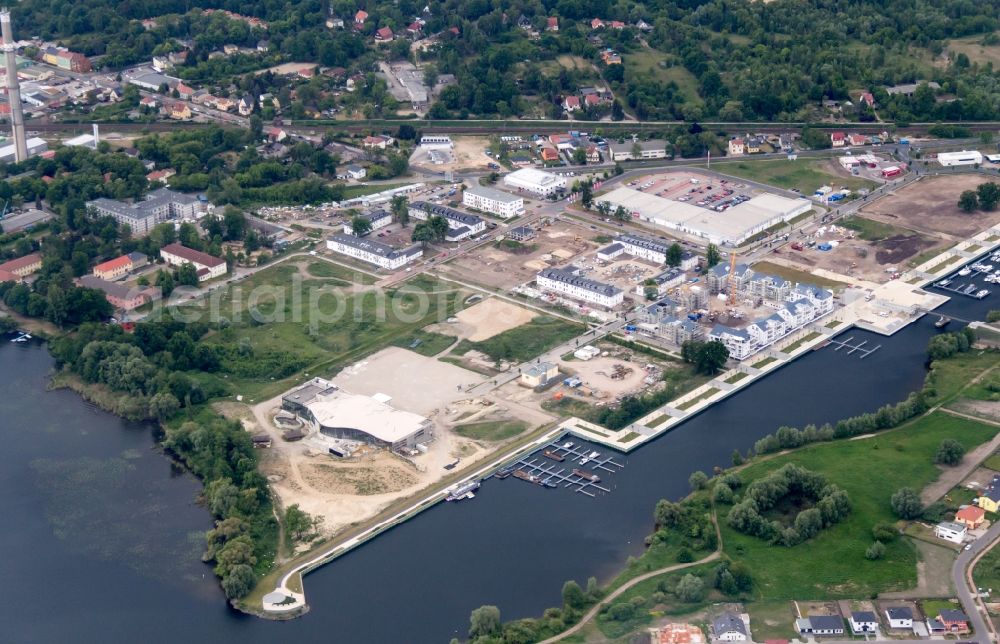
(961,578)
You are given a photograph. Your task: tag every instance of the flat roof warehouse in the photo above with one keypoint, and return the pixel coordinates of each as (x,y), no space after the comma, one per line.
(732,226)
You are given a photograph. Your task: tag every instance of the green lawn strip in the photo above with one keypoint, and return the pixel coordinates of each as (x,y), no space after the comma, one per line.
(496,430)
(993,238)
(993,463)
(526,341)
(687,404)
(806,174)
(870,230)
(736,377)
(974,248)
(870,471)
(457,361)
(942,265)
(832,324)
(629,437)
(426,343)
(986,574)
(798,343)
(659,420)
(589,430)
(352,191)
(324,269)
(763,363)
(796,275)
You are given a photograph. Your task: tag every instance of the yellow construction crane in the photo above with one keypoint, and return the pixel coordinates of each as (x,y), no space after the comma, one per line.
(730,281)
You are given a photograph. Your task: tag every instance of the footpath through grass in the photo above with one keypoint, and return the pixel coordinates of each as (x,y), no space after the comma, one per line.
(833,564)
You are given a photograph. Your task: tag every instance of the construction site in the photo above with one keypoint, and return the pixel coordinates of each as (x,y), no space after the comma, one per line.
(507,263)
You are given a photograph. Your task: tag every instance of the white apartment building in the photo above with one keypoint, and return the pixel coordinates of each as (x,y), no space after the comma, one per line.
(569,282)
(651,250)
(535,181)
(373,252)
(738,341)
(208,266)
(502,204)
(460,224)
(378,219)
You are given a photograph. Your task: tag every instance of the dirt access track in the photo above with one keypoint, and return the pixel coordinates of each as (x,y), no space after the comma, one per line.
(930,206)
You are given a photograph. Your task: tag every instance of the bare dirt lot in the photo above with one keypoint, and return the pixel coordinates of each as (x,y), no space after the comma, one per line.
(856,257)
(466,155)
(596,373)
(931,206)
(493,266)
(393,371)
(491,317)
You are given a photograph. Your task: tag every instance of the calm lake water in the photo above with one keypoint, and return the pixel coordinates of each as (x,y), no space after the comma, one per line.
(102,535)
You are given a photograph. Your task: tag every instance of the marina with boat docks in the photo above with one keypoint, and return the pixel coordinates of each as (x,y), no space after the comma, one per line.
(563,464)
(960,283)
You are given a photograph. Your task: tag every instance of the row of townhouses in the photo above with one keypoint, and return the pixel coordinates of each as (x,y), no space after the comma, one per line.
(803,304)
(569,281)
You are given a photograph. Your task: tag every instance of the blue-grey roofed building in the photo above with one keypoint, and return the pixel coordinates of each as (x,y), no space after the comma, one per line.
(423,210)
(569,282)
(729,627)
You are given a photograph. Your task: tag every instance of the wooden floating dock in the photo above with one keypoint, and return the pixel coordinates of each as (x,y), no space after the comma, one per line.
(549,471)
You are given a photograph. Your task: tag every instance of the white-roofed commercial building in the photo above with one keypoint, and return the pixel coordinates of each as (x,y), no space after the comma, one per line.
(367,419)
(731,227)
(491,200)
(535,181)
(951,159)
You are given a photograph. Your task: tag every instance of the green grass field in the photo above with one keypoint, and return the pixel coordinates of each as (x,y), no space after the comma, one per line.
(647,62)
(353,190)
(870,230)
(736,377)
(426,343)
(526,341)
(806,175)
(986,574)
(870,471)
(270,337)
(322,269)
(952,375)
(495,430)
(795,275)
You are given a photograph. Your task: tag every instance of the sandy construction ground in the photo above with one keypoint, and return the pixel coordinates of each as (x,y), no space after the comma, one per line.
(346,491)
(931,206)
(416,383)
(467,154)
(493,316)
(596,374)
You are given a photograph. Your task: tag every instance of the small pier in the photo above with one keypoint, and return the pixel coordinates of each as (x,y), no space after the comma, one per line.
(861,347)
(544,468)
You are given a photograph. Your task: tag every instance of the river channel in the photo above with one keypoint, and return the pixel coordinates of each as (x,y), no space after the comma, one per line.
(102,534)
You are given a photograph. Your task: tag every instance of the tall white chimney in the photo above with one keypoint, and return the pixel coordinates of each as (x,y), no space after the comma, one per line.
(13,88)
(97,136)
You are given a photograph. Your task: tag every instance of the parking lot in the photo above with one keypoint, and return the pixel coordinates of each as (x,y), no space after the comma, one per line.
(697,189)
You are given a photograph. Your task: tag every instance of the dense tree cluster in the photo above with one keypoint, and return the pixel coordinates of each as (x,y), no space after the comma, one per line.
(828,504)
(946,345)
(707,357)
